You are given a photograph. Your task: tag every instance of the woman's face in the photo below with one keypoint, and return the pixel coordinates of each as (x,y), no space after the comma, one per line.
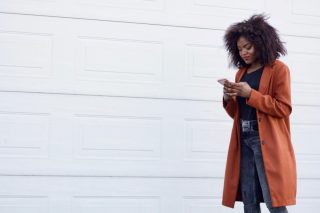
(246,50)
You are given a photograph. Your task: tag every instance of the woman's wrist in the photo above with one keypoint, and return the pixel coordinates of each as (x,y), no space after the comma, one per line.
(226,97)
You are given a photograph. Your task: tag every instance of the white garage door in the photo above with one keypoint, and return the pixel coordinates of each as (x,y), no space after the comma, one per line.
(113,106)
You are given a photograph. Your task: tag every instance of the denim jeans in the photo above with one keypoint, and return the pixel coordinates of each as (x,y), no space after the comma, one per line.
(253,181)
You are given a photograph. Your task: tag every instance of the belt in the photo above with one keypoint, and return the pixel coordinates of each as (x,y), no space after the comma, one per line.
(249,126)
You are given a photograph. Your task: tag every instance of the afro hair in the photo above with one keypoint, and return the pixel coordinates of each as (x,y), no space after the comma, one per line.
(261,34)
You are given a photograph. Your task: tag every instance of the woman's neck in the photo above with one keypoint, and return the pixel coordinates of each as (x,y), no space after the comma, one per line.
(253,67)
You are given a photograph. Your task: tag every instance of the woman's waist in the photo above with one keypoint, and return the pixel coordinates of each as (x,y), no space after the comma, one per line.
(249,127)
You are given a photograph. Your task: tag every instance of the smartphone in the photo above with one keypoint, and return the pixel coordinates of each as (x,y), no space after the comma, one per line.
(221,81)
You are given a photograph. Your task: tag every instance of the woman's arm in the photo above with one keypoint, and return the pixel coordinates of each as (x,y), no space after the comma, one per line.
(230,106)
(278,105)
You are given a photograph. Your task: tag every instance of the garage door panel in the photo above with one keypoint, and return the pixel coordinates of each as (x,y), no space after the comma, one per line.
(206,204)
(290,16)
(24,203)
(200,145)
(157,5)
(99,135)
(110,59)
(89,194)
(91,57)
(296,17)
(32,139)
(304,126)
(32,53)
(117,137)
(222,8)
(26,54)
(170,63)
(200,69)
(101,194)
(303,60)
(307,205)
(105,135)
(306,149)
(190,13)
(133,204)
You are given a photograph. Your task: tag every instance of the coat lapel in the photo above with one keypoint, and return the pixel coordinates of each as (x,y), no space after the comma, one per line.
(265,79)
(240,74)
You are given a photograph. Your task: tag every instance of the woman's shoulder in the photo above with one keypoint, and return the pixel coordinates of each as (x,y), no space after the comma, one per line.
(279,65)
(280,70)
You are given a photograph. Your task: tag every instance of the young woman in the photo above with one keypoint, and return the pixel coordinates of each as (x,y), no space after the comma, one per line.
(261,163)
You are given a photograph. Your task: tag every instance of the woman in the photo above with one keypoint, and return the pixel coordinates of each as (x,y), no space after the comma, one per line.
(261,163)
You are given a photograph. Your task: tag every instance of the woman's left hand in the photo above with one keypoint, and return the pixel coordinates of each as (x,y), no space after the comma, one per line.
(241,89)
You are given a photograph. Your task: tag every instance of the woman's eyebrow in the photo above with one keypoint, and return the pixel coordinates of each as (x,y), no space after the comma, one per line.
(245,45)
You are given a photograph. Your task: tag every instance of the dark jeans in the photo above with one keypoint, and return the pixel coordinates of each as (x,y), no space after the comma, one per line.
(253,181)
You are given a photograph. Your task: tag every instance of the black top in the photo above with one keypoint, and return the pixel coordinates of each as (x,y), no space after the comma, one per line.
(253,79)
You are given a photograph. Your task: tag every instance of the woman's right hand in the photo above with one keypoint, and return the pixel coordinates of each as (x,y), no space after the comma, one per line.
(227,89)
(226,97)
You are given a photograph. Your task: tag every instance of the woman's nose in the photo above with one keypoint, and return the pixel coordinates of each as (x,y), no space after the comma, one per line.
(243,53)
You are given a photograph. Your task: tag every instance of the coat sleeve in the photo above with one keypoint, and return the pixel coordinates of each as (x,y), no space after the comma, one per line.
(279,104)
(230,106)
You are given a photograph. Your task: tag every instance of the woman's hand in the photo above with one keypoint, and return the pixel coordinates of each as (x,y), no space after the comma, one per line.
(227,95)
(236,89)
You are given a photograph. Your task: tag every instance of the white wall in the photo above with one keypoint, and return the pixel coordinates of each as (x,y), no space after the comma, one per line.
(113,106)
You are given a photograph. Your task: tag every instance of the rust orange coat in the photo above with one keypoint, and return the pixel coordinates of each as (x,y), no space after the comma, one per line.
(273,105)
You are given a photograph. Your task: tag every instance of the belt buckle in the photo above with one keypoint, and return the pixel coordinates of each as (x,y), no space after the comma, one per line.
(245,126)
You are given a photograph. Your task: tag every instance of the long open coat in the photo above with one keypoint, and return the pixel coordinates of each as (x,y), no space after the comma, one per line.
(273,105)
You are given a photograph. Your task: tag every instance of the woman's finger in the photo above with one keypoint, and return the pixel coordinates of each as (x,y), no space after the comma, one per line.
(237,85)
(231,94)
(233,90)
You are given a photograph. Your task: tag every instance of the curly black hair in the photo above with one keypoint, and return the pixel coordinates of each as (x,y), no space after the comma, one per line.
(261,34)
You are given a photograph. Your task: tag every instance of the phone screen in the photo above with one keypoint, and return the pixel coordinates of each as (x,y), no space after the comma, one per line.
(221,81)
